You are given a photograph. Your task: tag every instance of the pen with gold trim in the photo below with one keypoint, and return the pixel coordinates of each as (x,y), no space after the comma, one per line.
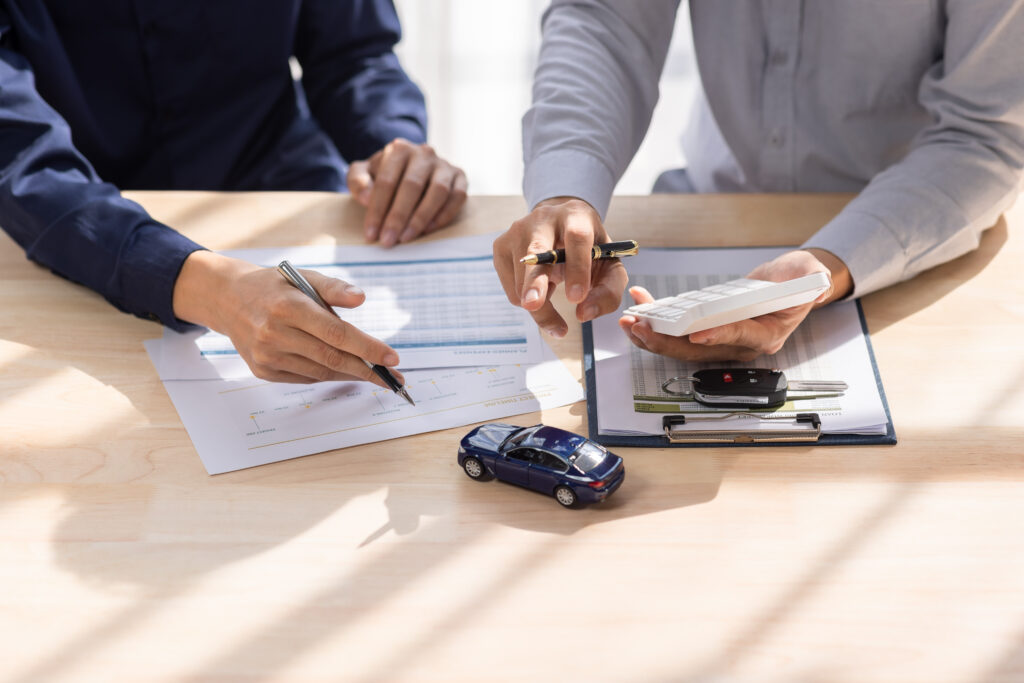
(598,251)
(302,284)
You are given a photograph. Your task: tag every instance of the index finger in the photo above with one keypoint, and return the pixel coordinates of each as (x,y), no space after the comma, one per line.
(532,280)
(578,235)
(341,335)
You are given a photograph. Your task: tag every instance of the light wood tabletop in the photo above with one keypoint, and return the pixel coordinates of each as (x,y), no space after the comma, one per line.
(123,560)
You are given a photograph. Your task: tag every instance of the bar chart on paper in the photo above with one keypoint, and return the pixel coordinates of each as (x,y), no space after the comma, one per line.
(419,307)
(468,355)
(438,306)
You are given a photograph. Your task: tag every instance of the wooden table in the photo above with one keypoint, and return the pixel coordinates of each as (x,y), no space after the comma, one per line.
(123,560)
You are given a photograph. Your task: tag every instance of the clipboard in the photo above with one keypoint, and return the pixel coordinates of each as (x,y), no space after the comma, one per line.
(821,439)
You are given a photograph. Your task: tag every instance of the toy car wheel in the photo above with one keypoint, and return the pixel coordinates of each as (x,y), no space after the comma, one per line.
(474,468)
(566,496)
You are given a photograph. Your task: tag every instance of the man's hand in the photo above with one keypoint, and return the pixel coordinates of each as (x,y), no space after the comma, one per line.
(282,334)
(407,190)
(747,339)
(563,222)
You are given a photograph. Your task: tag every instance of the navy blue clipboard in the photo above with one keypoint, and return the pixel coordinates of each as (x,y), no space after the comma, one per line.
(590,374)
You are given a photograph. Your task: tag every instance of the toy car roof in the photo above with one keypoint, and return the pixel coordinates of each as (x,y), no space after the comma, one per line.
(554,439)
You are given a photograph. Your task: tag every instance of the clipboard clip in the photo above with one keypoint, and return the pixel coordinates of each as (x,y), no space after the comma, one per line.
(805,427)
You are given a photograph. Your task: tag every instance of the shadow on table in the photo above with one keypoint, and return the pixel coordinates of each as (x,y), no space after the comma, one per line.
(152,528)
(1009,666)
(160,541)
(893,304)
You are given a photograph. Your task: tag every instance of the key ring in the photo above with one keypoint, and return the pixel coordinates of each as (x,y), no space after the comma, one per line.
(688,380)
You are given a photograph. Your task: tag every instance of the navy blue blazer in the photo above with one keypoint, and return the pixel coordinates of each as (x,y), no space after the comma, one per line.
(190,94)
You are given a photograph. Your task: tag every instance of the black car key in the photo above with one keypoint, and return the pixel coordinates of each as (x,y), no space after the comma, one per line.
(751,387)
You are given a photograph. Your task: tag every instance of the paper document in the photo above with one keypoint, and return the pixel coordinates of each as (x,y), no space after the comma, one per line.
(828,345)
(439,304)
(241,423)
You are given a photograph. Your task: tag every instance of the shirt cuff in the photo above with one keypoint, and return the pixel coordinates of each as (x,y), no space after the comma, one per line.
(871,251)
(149,269)
(387,130)
(569,173)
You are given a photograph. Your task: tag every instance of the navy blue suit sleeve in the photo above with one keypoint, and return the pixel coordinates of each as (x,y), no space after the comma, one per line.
(356,89)
(54,205)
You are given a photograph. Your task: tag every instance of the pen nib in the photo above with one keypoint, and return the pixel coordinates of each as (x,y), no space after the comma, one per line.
(405,394)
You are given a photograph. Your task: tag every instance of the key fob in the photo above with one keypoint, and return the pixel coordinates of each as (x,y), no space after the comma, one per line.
(740,388)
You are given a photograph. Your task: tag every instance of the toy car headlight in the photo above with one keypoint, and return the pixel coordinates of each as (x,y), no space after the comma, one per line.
(462,451)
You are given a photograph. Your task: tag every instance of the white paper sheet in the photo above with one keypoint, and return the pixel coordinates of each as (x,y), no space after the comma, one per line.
(242,423)
(829,345)
(439,304)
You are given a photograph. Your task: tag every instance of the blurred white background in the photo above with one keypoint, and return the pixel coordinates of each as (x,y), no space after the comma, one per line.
(474,60)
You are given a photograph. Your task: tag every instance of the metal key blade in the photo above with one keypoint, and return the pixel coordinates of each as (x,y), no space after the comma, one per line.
(809,385)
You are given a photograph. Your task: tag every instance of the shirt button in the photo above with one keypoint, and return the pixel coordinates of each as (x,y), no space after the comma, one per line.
(777,138)
(779,58)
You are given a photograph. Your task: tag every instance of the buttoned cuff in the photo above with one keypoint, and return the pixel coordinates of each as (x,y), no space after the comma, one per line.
(148,270)
(569,173)
(871,251)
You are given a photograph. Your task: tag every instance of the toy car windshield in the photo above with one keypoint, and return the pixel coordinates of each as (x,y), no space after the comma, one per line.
(587,456)
(515,438)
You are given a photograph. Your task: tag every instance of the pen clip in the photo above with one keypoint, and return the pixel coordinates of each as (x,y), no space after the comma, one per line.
(302,284)
(616,249)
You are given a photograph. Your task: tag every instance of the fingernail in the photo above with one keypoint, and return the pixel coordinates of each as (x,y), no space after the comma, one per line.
(531,296)
(388,238)
(556,332)
(575,293)
(407,235)
(640,331)
(364,196)
(697,338)
(370,232)
(352,290)
(589,312)
(391,358)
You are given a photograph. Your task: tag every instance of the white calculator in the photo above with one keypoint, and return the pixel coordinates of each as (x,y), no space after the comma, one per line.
(727,303)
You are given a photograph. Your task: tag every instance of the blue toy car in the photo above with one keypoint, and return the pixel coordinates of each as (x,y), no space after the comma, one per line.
(553,461)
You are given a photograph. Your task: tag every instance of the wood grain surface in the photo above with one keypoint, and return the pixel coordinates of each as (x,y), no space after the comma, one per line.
(122,560)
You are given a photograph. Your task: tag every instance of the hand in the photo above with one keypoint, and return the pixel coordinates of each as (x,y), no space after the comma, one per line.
(563,222)
(407,190)
(747,339)
(283,335)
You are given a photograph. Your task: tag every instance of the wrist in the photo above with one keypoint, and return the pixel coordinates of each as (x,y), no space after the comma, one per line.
(842,281)
(205,276)
(558,201)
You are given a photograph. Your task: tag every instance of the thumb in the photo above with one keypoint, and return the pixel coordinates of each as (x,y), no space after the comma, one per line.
(640,295)
(334,291)
(360,182)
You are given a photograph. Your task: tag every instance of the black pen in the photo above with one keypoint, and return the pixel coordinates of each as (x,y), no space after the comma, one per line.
(302,284)
(598,251)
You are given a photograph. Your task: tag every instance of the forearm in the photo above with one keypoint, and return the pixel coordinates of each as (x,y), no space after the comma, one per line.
(56,208)
(355,85)
(961,172)
(594,92)
(100,240)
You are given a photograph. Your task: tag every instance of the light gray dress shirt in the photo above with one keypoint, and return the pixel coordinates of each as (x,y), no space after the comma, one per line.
(918,105)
